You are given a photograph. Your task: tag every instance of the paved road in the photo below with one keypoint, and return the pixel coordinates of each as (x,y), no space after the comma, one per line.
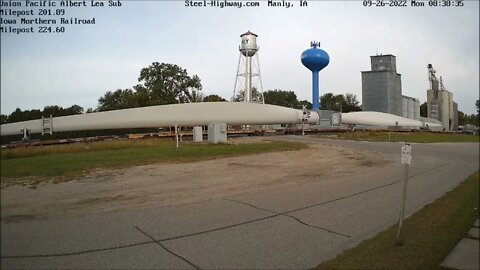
(289,228)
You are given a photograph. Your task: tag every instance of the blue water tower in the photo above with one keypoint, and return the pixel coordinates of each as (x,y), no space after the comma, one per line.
(315,59)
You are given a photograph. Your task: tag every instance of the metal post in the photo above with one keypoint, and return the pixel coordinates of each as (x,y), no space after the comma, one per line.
(260,78)
(405,159)
(248,85)
(26,134)
(396,130)
(304,118)
(236,77)
(51,125)
(404,202)
(43,125)
(176,134)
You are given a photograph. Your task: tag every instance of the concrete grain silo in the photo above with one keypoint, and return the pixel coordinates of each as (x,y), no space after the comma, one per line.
(382,86)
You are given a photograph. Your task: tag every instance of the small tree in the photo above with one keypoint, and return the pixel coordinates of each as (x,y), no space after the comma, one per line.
(281,98)
(256,96)
(423,110)
(213,98)
(120,99)
(308,104)
(196,96)
(3,119)
(477,104)
(351,104)
(344,103)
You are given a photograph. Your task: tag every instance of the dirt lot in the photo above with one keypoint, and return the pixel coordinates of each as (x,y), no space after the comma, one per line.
(160,185)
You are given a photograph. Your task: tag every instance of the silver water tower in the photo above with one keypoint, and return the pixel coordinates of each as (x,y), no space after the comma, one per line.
(248,68)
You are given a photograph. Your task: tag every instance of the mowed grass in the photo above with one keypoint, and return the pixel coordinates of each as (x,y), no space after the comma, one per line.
(413,137)
(71,160)
(428,236)
(81,147)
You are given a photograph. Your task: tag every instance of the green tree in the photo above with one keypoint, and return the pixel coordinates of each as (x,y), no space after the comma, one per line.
(344,103)
(350,103)
(473,119)
(56,111)
(18,115)
(168,83)
(74,109)
(213,98)
(281,98)
(329,101)
(196,96)
(53,110)
(159,84)
(3,119)
(119,99)
(142,96)
(307,104)
(423,110)
(464,119)
(477,104)
(256,95)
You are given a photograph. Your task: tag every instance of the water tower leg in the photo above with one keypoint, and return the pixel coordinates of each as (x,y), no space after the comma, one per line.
(236,78)
(248,80)
(315,97)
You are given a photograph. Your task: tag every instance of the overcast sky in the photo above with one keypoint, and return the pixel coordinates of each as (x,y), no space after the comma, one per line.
(80,65)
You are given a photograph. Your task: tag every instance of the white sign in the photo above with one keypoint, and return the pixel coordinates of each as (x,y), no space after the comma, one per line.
(406,154)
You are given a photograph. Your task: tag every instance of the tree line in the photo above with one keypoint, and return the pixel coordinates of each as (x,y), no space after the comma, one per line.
(18,115)
(163,83)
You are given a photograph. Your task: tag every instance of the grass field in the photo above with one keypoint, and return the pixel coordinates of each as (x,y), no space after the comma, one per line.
(73,160)
(429,235)
(413,137)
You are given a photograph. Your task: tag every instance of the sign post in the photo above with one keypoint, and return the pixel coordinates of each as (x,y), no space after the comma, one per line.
(406,159)
(176,135)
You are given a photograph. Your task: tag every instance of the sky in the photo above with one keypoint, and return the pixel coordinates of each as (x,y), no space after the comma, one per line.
(83,63)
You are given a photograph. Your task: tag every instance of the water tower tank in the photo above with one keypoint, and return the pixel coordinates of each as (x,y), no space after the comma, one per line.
(249,44)
(315,59)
